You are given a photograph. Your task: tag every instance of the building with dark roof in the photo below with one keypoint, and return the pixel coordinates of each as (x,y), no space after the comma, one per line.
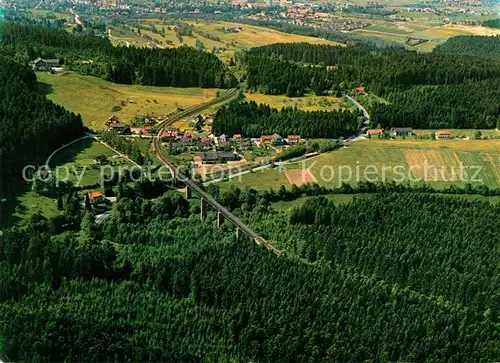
(218,157)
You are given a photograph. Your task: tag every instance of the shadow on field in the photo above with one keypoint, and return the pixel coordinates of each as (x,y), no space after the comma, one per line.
(45,88)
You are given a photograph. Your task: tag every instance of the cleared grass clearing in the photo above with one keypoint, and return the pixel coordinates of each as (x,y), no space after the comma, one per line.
(76,162)
(309,102)
(95,98)
(260,180)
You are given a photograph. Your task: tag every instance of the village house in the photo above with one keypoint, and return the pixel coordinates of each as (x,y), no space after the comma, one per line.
(205,142)
(170,133)
(111,120)
(266,138)
(361,91)
(222,139)
(375,132)
(277,139)
(218,157)
(95,197)
(119,127)
(46,65)
(293,139)
(237,137)
(147,129)
(402,131)
(443,134)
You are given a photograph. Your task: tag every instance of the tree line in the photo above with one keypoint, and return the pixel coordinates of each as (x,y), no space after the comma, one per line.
(474,45)
(31,126)
(178,67)
(253,120)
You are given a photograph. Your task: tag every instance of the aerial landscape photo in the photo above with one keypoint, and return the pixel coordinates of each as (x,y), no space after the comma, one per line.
(249,181)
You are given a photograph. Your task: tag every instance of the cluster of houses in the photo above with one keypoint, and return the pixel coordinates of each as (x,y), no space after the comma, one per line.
(395,131)
(277,140)
(405,131)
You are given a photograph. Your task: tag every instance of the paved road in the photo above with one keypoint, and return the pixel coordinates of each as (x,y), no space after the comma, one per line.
(359,135)
(193,186)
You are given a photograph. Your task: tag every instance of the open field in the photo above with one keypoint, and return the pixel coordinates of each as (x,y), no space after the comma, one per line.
(227,43)
(309,102)
(76,162)
(95,98)
(410,161)
(426,26)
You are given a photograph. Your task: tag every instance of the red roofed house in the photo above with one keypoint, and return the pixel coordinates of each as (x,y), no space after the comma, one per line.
(147,129)
(293,139)
(237,137)
(171,133)
(360,90)
(375,132)
(266,138)
(443,134)
(95,197)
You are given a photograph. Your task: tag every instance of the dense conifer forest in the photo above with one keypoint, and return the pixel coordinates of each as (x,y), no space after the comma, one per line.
(153,283)
(179,67)
(474,45)
(253,120)
(31,126)
(455,86)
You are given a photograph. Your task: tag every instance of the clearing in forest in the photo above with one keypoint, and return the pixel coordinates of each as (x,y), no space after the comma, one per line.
(96,100)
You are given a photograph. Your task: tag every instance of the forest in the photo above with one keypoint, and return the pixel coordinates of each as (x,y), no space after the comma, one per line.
(31,126)
(439,89)
(473,45)
(492,23)
(178,67)
(253,120)
(468,105)
(154,283)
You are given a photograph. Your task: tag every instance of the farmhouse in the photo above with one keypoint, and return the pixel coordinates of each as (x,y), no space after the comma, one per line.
(119,127)
(237,137)
(41,64)
(443,134)
(402,131)
(222,139)
(277,139)
(293,139)
(95,197)
(218,158)
(171,133)
(361,91)
(266,138)
(375,132)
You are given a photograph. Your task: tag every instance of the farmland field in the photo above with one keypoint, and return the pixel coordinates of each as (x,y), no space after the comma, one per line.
(75,163)
(96,99)
(437,162)
(309,102)
(227,42)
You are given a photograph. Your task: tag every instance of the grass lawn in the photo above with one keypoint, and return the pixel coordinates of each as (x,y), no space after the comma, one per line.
(259,180)
(95,98)
(229,42)
(76,162)
(309,102)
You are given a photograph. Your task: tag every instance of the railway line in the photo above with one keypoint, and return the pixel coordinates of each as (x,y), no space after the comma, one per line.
(237,222)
